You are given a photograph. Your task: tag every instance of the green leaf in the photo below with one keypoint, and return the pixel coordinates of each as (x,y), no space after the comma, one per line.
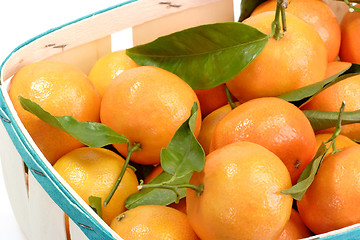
(95,204)
(247,7)
(158,196)
(184,153)
(204,56)
(92,134)
(325,119)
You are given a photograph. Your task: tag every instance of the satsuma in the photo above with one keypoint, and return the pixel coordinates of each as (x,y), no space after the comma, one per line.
(298,59)
(332,200)
(147,105)
(149,222)
(241,197)
(93,172)
(60,89)
(276,125)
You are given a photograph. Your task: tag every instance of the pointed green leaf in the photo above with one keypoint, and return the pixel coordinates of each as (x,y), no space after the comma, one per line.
(184,153)
(158,196)
(247,7)
(92,134)
(203,56)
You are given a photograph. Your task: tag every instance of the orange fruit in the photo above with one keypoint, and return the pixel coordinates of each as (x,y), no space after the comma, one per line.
(319,15)
(208,126)
(298,59)
(147,104)
(294,228)
(330,99)
(273,123)
(181,205)
(332,200)
(108,67)
(211,99)
(335,67)
(241,198)
(93,172)
(341,141)
(154,173)
(350,37)
(60,89)
(149,222)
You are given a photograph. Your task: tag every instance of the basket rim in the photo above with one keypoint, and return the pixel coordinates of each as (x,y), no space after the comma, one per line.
(125,2)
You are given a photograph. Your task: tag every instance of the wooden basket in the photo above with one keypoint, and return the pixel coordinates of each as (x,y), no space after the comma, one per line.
(39,206)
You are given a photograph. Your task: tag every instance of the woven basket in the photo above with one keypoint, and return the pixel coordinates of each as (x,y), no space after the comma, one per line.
(39,206)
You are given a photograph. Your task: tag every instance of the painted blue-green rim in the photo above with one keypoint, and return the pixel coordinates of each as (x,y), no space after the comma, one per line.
(61,196)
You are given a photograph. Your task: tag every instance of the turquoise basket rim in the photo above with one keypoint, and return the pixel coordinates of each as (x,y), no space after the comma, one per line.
(61,196)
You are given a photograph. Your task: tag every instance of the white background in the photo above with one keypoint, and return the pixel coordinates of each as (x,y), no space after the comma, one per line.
(21,20)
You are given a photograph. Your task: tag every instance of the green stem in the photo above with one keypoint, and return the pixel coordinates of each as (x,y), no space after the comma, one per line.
(229,98)
(337,129)
(131,149)
(174,187)
(352,8)
(275,25)
(132,168)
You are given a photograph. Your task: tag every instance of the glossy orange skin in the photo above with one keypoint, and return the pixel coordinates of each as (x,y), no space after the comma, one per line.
(274,124)
(211,99)
(208,126)
(147,104)
(332,200)
(93,172)
(296,60)
(241,198)
(295,228)
(330,99)
(336,67)
(150,222)
(62,90)
(350,37)
(319,15)
(108,67)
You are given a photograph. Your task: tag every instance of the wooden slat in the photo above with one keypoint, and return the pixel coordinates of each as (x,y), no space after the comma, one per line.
(75,232)
(220,11)
(47,219)
(92,28)
(86,55)
(14,178)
